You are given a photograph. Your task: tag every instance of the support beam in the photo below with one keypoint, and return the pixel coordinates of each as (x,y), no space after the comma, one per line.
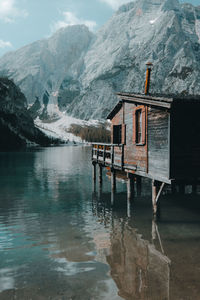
(130,186)
(94,172)
(157,188)
(112,198)
(100,174)
(128,208)
(113,180)
(154,195)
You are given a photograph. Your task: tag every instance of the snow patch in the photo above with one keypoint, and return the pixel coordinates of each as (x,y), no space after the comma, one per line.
(197,27)
(59,128)
(153,21)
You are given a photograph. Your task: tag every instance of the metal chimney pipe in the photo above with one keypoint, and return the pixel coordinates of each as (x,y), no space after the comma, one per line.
(148,77)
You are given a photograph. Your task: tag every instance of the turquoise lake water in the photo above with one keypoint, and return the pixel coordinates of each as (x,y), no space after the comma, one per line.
(62,239)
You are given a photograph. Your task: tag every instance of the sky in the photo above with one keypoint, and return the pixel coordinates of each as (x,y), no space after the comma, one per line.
(25,21)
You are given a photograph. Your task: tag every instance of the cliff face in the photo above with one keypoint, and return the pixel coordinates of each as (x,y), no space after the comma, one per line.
(42,65)
(16,125)
(161,31)
(82,72)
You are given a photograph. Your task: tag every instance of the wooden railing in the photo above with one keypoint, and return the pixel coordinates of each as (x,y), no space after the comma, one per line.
(108,154)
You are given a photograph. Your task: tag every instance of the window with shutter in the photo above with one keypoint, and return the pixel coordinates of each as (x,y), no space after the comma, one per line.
(139,126)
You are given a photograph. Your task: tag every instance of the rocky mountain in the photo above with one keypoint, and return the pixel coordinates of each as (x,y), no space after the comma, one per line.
(17,128)
(89,69)
(161,31)
(41,66)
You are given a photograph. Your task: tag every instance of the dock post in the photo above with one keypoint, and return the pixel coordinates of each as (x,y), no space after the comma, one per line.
(113,180)
(154,196)
(139,185)
(130,186)
(94,171)
(128,208)
(157,188)
(100,174)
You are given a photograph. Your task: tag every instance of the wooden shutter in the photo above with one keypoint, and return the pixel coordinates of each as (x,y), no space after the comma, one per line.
(124,134)
(134,126)
(144,125)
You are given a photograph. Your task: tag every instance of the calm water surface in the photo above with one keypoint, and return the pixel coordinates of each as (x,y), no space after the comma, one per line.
(61,239)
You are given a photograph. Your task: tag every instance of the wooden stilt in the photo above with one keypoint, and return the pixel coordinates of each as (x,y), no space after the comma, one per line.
(94,171)
(113,180)
(157,188)
(154,195)
(100,191)
(112,198)
(139,185)
(128,208)
(130,186)
(94,186)
(100,174)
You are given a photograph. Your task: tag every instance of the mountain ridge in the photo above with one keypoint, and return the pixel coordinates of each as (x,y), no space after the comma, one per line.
(96,66)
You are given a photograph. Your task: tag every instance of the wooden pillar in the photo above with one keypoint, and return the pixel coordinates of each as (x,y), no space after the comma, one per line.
(128,208)
(139,185)
(112,198)
(157,188)
(113,180)
(154,196)
(130,186)
(100,174)
(94,174)
(100,192)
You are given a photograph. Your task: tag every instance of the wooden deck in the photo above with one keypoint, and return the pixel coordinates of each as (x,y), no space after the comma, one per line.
(111,155)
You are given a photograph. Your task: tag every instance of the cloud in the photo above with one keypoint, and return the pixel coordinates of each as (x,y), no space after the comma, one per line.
(71,19)
(4,44)
(114,4)
(9,11)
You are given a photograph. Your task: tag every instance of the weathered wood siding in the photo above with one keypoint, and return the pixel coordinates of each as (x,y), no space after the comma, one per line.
(185,141)
(153,156)
(158,143)
(134,155)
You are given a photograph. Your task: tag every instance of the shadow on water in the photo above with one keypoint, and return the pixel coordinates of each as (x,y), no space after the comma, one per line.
(62,239)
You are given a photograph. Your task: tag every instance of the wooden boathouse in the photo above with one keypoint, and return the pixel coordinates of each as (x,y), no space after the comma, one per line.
(154,137)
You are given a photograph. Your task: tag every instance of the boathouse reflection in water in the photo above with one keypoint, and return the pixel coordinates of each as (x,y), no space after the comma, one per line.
(139,270)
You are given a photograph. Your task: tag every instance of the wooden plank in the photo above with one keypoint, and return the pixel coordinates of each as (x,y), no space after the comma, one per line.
(147,102)
(158,143)
(139,96)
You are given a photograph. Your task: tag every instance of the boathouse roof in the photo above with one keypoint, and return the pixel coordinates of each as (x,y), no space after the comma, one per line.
(152,100)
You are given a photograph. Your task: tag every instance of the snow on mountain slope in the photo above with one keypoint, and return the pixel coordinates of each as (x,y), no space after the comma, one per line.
(59,128)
